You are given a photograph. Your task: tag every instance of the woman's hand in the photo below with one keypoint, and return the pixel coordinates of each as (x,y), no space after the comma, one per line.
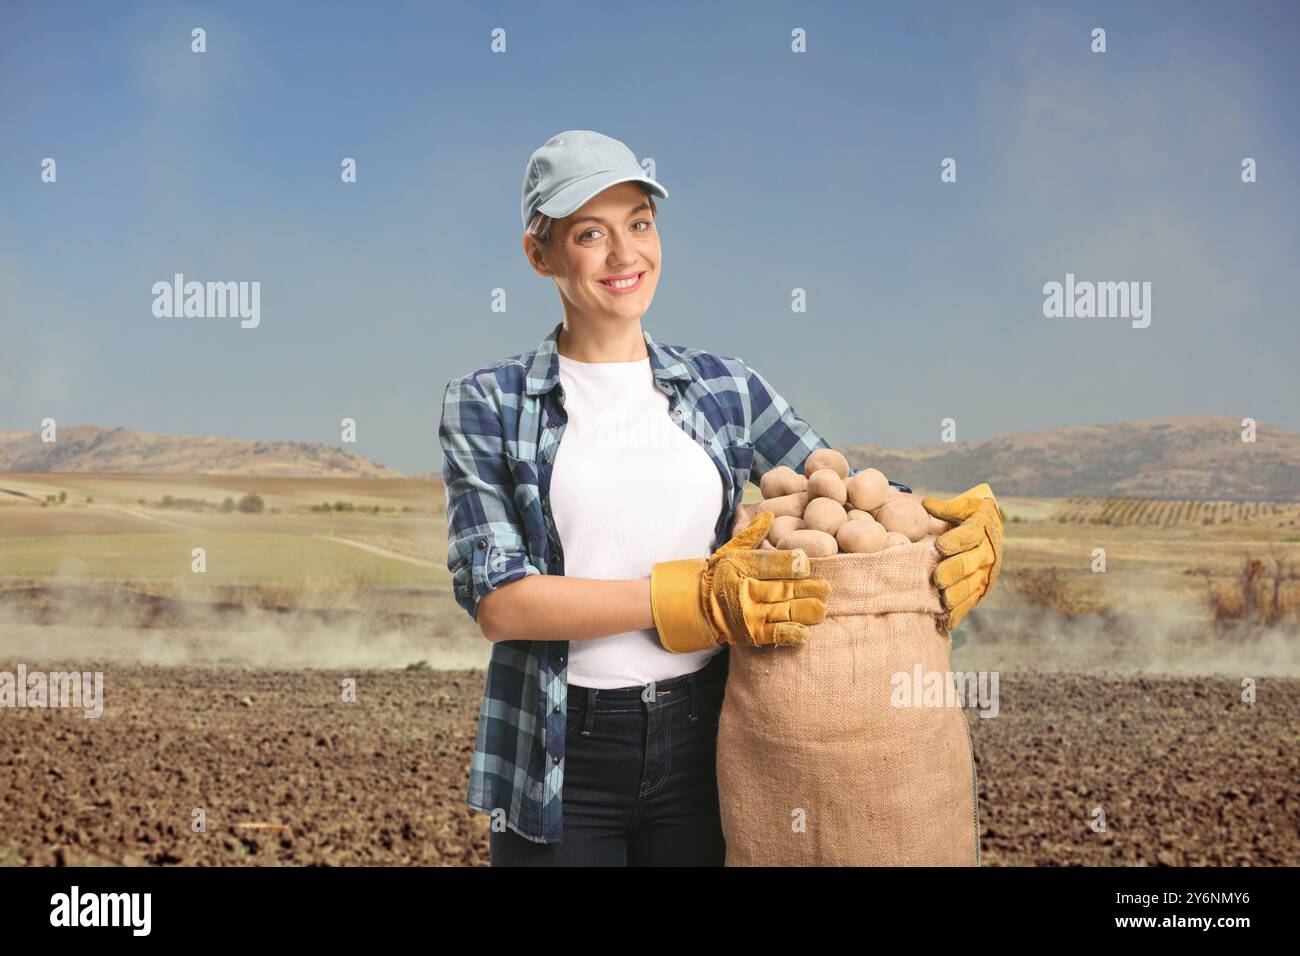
(737,595)
(972,550)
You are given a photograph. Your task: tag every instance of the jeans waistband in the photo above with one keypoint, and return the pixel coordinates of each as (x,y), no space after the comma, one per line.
(634,692)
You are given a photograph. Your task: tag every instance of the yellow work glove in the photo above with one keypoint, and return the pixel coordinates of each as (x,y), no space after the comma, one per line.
(737,595)
(972,550)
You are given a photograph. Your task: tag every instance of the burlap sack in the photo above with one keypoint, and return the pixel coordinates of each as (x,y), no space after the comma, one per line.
(816,766)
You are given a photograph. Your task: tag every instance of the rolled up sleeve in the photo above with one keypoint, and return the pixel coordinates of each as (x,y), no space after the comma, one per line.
(485,540)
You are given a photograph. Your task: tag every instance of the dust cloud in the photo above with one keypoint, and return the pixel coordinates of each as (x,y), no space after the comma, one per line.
(64,619)
(1151,638)
(68,618)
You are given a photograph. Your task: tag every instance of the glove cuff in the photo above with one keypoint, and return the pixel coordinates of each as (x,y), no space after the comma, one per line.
(675,600)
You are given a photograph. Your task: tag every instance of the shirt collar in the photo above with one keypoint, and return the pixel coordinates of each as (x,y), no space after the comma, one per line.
(544,372)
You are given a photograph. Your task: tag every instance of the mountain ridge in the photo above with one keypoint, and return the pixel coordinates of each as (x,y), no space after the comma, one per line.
(1173,457)
(93,449)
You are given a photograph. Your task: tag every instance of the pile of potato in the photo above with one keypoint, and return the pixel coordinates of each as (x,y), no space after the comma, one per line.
(825,512)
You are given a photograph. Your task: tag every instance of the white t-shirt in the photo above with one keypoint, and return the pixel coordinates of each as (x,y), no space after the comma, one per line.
(630,488)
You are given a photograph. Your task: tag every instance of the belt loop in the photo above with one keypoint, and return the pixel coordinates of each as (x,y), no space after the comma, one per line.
(589,718)
(693,685)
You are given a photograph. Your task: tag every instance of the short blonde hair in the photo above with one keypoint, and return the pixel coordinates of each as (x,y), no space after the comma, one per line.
(540,227)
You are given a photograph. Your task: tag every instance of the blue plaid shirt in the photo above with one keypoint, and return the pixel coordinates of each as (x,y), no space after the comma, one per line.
(501,426)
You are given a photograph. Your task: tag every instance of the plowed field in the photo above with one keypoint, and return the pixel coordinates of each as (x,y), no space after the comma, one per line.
(284,771)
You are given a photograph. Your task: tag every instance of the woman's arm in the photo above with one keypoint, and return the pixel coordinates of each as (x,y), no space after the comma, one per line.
(555,607)
(485,534)
(492,576)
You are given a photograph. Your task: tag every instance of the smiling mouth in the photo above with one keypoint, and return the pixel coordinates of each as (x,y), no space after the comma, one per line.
(623,283)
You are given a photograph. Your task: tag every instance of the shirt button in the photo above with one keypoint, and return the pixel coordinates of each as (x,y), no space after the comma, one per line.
(482,543)
(555,760)
(555,709)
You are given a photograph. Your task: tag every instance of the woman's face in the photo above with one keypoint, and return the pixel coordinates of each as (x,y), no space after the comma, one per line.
(610,239)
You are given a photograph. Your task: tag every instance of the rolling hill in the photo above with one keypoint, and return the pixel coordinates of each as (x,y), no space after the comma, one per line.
(91,449)
(1190,458)
(1201,457)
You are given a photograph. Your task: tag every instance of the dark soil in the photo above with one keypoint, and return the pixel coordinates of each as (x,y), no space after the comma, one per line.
(1184,771)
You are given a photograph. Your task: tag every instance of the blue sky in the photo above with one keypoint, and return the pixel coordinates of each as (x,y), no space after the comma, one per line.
(818,171)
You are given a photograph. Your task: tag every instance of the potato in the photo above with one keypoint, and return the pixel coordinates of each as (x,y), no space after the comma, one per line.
(782,526)
(782,480)
(826,458)
(868,489)
(937,525)
(905,516)
(785,504)
(824,483)
(855,513)
(893,539)
(861,537)
(815,544)
(766,545)
(824,514)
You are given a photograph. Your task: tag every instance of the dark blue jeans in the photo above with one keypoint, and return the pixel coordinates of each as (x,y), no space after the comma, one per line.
(640,778)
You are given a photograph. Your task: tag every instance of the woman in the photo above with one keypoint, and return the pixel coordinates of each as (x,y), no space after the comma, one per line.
(594,566)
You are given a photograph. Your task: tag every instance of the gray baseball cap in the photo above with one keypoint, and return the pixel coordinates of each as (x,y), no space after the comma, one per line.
(571,167)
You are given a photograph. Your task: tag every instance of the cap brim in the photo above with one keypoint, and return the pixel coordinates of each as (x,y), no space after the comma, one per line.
(572,196)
